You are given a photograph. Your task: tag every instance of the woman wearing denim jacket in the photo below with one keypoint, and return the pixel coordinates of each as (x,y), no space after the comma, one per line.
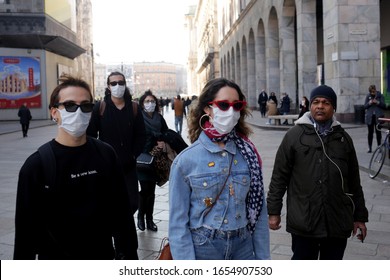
(217,208)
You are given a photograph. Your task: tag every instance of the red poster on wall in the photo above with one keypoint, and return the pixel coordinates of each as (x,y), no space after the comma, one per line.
(20,82)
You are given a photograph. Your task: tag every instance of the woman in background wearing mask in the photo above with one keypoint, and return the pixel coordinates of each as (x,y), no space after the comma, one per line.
(217,207)
(78,214)
(154,126)
(118,121)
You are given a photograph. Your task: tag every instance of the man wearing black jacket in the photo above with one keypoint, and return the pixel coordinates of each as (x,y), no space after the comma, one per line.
(118,121)
(316,165)
(77,214)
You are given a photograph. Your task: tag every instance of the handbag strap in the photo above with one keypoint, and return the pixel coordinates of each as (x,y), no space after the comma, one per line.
(220,192)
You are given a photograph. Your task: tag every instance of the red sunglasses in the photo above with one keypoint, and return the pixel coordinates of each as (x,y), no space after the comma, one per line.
(225,105)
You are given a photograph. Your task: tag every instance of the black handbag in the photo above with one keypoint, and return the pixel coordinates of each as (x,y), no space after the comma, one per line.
(145,161)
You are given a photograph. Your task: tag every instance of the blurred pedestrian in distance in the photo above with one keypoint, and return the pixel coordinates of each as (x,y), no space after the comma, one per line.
(118,121)
(273,97)
(262,101)
(25,117)
(374,105)
(304,106)
(161,104)
(72,201)
(316,164)
(178,106)
(284,105)
(217,207)
(272,110)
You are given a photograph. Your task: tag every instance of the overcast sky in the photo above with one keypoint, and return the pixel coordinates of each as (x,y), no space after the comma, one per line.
(140,30)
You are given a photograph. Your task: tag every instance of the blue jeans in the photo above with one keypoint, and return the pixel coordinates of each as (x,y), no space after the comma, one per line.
(211,244)
(178,124)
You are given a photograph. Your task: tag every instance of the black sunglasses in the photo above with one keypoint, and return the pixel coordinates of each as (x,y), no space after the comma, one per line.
(121,83)
(225,105)
(71,107)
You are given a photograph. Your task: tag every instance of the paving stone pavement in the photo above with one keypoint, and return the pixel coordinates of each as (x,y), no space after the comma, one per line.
(14,150)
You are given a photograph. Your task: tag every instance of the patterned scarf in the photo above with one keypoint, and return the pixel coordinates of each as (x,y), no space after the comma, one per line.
(254,200)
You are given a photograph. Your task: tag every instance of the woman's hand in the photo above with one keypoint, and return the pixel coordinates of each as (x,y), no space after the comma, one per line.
(161,145)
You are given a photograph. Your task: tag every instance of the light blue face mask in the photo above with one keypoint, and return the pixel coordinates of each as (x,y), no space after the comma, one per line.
(74,123)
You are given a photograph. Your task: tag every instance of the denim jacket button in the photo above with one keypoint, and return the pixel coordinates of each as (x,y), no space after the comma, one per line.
(225,221)
(223,154)
(204,184)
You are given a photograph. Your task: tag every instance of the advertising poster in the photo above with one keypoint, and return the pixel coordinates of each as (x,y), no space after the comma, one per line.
(20,82)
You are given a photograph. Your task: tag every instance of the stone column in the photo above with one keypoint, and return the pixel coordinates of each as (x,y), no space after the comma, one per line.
(351,51)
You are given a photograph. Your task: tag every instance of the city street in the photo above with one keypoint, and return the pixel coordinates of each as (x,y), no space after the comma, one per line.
(15,149)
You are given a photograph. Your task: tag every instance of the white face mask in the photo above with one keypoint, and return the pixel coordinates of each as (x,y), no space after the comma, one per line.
(74,123)
(224,121)
(118,91)
(149,107)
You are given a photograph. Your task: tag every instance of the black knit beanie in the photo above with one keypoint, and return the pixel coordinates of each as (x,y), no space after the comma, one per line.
(325,92)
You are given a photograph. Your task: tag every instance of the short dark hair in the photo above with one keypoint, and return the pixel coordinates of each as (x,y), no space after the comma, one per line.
(67,80)
(115,73)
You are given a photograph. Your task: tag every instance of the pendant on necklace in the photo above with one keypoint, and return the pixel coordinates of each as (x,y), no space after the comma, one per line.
(208,201)
(231,190)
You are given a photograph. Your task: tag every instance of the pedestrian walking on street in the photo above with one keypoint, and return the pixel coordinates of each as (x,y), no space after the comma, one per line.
(155,125)
(284,106)
(72,201)
(262,101)
(217,207)
(272,110)
(25,117)
(316,164)
(118,121)
(374,105)
(178,107)
(304,106)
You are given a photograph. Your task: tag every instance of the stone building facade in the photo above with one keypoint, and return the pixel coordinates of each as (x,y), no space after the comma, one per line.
(294,45)
(162,78)
(54,34)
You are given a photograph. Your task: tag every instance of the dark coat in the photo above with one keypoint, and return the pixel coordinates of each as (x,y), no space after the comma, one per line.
(285,105)
(372,109)
(153,134)
(263,98)
(24,114)
(119,128)
(319,203)
(77,216)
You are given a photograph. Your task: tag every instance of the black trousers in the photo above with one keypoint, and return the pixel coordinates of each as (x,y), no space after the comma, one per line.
(307,248)
(132,187)
(25,128)
(371,129)
(146,199)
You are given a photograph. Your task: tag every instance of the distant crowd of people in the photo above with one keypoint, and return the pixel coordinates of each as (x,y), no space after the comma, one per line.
(78,193)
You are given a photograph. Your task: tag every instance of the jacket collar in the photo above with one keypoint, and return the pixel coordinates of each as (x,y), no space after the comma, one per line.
(213,147)
(307,119)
